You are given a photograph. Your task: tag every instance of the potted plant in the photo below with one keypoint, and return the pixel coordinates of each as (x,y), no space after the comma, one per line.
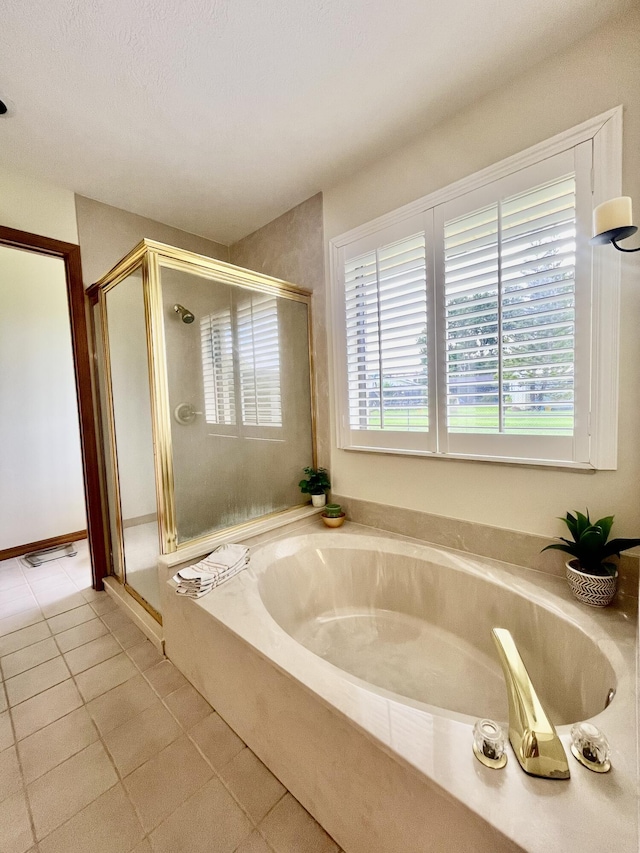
(592,576)
(333,516)
(316,484)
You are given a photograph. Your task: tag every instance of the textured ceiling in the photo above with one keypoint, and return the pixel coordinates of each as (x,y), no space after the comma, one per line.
(215,116)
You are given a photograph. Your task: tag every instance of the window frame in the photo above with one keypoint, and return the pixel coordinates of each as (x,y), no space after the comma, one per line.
(598,444)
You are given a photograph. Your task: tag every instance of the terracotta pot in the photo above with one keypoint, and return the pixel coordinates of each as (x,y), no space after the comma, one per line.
(596,590)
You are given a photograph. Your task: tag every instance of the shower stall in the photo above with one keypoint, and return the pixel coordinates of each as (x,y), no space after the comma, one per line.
(204,374)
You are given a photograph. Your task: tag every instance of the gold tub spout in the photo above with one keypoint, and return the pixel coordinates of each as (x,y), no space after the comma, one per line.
(532,734)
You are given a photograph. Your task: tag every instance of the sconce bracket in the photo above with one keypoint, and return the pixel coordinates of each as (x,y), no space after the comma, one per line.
(614,234)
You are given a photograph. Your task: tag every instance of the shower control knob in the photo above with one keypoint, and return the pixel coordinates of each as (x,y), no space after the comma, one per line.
(185,413)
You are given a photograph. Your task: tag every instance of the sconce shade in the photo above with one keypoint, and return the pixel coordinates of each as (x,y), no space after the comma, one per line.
(613,220)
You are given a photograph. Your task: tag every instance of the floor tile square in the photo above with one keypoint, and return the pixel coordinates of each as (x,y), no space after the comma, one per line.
(24,659)
(92,653)
(216,740)
(70,619)
(15,827)
(103,605)
(10,777)
(144,655)
(10,605)
(135,741)
(63,604)
(97,680)
(33,681)
(143,847)
(108,825)
(116,618)
(253,785)
(289,828)
(209,820)
(45,708)
(48,573)
(128,635)
(255,843)
(82,579)
(10,589)
(81,634)
(187,705)
(50,746)
(121,704)
(160,785)
(164,677)
(64,791)
(12,579)
(90,594)
(6,731)
(9,624)
(26,637)
(53,589)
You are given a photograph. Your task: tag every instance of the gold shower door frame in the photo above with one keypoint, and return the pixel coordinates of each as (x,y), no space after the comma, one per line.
(149,257)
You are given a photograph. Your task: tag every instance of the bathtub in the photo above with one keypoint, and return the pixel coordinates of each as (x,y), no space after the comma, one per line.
(354,663)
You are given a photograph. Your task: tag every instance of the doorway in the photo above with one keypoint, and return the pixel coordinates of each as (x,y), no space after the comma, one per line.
(52,458)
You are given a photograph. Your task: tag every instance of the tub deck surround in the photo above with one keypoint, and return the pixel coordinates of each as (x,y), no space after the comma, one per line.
(409,763)
(499,543)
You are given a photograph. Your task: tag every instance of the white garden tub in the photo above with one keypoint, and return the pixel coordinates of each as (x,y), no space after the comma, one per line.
(355,665)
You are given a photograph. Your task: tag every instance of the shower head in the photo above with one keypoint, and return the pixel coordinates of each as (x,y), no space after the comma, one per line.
(185,316)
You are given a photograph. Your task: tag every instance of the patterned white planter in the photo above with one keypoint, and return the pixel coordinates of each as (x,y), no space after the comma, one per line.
(591,589)
(318,500)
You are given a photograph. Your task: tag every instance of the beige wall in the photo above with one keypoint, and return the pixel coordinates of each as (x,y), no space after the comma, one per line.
(595,75)
(291,248)
(107,234)
(29,204)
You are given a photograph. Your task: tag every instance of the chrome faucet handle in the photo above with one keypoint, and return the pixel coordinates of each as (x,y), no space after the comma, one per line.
(532,735)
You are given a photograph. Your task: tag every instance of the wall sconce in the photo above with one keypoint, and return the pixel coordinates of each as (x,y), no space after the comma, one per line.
(612,221)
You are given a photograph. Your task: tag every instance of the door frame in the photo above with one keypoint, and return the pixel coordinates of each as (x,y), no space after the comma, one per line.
(76,298)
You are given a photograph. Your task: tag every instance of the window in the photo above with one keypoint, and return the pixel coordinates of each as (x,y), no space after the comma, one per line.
(473,327)
(386,316)
(216,340)
(249,381)
(259,358)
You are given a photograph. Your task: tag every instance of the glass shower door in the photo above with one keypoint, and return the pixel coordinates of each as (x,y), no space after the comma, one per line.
(134,512)
(239,397)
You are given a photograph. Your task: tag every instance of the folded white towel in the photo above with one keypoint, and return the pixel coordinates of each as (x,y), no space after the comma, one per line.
(221,565)
(224,557)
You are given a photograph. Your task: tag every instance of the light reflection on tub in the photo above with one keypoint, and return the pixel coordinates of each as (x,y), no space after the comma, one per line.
(422,629)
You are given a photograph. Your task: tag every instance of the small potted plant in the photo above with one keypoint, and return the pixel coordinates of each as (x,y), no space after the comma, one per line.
(333,516)
(592,576)
(316,484)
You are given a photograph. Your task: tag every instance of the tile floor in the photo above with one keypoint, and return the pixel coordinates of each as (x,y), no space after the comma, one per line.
(106,748)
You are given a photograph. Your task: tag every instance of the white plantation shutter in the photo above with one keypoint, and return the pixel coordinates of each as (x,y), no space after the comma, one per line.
(216,340)
(259,358)
(386,337)
(511,378)
(510,314)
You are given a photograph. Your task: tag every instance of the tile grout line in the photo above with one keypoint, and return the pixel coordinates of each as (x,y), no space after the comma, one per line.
(255,825)
(102,743)
(24,791)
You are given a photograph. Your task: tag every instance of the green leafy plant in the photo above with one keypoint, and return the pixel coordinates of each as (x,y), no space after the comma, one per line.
(589,543)
(316,483)
(333,511)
